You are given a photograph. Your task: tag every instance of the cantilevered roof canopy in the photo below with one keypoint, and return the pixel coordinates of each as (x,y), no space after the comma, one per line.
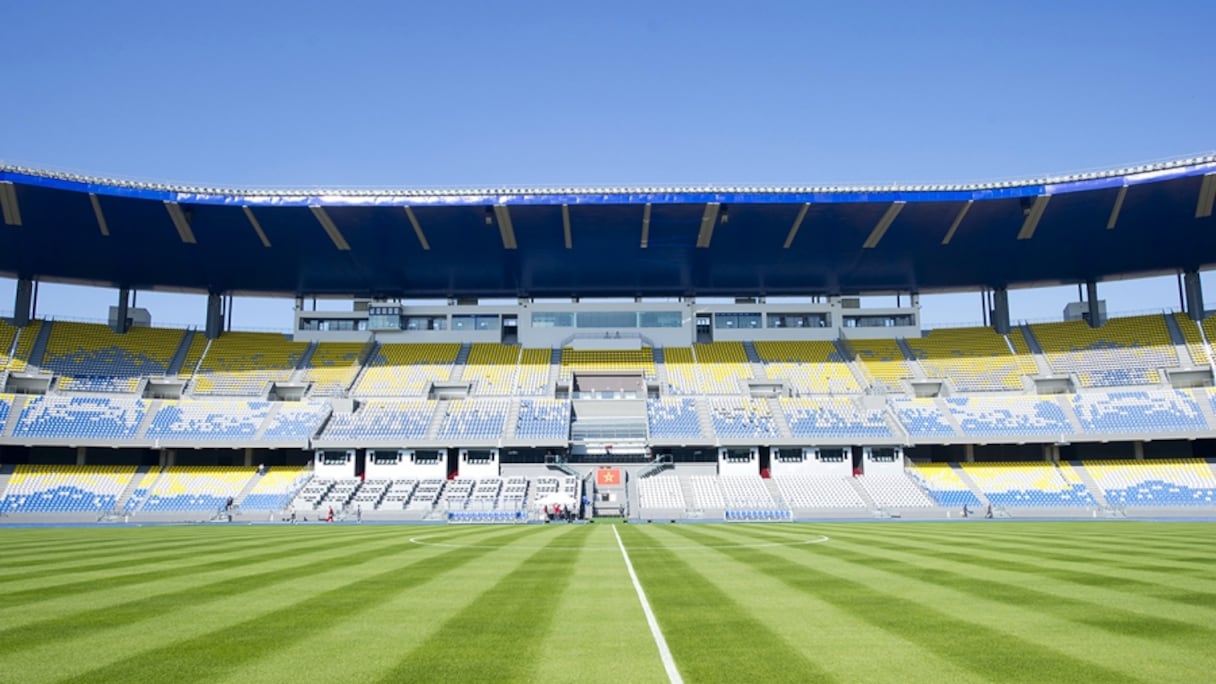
(710,241)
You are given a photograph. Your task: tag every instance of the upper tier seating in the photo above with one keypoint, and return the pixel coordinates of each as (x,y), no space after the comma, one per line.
(492,369)
(543,419)
(332,367)
(1139,411)
(274,489)
(195,488)
(808,367)
(806,491)
(18,341)
(883,363)
(380,419)
(65,488)
(1029,484)
(673,418)
(1173,482)
(833,417)
(213,420)
(89,357)
(943,483)
(1194,340)
(1124,351)
(976,359)
(534,367)
(741,417)
(96,417)
(242,363)
(406,370)
(614,361)
(1010,416)
(723,367)
(473,419)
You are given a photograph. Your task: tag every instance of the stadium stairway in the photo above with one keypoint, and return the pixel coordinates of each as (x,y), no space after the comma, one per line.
(660,366)
(275,407)
(975,489)
(39,348)
(774,493)
(240,497)
(865,496)
(508,423)
(14,415)
(437,414)
(1205,405)
(918,372)
(759,372)
(948,415)
(1069,413)
(365,362)
(121,502)
(846,353)
(783,425)
(149,416)
(1178,339)
(1090,484)
(179,356)
(462,360)
(703,419)
(305,361)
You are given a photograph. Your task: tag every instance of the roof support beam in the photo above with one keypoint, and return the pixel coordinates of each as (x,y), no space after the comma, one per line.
(646,226)
(1207,196)
(1114,211)
(1032,217)
(99,215)
(708,220)
(331,229)
(181,222)
(880,228)
(409,213)
(503,214)
(257,227)
(566,226)
(958,221)
(8,204)
(789,238)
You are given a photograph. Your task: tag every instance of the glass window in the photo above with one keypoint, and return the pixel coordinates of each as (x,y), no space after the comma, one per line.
(730,321)
(660,319)
(607,319)
(552,319)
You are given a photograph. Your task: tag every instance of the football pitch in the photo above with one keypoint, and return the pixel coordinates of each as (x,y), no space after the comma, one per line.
(839,602)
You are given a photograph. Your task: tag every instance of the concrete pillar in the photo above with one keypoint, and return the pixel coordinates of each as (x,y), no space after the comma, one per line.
(1000,310)
(969,453)
(248,457)
(81,452)
(124,303)
(23,303)
(215,315)
(1091,298)
(1194,295)
(1138,450)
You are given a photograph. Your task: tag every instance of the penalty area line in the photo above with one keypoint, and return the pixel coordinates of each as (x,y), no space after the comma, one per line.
(669,663)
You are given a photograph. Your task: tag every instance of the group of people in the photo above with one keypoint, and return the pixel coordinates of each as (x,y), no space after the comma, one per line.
(967,511)
(558,512)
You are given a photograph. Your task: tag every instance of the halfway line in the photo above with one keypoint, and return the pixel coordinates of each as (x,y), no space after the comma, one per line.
(669,663)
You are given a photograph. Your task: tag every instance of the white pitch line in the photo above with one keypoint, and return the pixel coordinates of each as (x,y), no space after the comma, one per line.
(669,663)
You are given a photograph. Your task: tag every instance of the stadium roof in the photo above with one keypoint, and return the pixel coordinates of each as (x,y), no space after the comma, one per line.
(676,241)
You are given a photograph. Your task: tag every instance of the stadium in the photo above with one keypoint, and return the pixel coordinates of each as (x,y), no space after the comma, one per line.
(649,356)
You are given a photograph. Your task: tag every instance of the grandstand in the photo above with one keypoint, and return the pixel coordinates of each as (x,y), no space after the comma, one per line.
(725,384)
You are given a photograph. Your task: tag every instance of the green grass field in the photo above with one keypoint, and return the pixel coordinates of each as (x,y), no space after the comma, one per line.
(899,602)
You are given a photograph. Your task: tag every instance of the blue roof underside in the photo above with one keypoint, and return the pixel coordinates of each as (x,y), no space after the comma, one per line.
(459,247)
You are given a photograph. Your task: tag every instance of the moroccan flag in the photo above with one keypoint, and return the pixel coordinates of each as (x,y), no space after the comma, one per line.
(608,476)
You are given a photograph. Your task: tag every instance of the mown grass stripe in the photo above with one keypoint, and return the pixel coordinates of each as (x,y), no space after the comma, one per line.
(223,650)
(972,645)
(499,634)
(235,580)
(1156,596)
(1026,592)
(712,637)
(205,561)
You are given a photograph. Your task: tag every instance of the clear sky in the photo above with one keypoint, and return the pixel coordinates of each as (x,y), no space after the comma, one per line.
(461,93)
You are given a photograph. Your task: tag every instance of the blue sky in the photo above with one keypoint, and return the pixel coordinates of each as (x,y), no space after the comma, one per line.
(561,93)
